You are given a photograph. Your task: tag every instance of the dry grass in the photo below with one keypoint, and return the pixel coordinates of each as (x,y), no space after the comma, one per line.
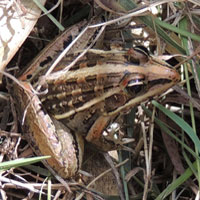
(165,163)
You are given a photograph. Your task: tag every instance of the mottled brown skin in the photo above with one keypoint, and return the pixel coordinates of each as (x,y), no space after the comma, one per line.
(85,99)
(47,136)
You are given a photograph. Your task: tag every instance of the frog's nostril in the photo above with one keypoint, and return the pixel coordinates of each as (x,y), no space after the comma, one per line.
(175,76)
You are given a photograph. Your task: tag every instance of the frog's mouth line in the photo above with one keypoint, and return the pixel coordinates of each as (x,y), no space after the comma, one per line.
(154,90)
(158,82)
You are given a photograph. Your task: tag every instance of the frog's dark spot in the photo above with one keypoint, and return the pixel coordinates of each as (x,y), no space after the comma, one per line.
(46,61)
(67,42)
(29,76)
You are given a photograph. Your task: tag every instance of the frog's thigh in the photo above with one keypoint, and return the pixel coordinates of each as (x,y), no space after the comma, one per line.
(72,148)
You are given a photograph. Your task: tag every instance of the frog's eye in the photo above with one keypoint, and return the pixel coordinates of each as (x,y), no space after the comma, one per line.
(138,55)
(142,50)
(135,86)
